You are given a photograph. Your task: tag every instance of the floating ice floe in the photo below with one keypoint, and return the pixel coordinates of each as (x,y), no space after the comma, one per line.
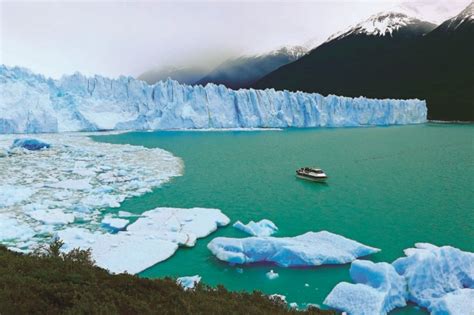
(115,224)
(261,228)
(154,237)
(188,282)
(11,195)
(71,183)
(13,231)
(272,275)
(309,249)
(30,144)
(52,216)
(378,290)
(440,279)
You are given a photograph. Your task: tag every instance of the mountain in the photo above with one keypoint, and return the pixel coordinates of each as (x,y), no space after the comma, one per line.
(392,55)
(393,24)
(32,103)
(185,75)
(242,72)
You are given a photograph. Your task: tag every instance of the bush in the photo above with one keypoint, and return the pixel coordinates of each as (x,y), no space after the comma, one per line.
(51,282)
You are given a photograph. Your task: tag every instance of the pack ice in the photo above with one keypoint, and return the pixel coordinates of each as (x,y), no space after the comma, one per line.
(440,279)
(32,103)
(309,249)
(69,182)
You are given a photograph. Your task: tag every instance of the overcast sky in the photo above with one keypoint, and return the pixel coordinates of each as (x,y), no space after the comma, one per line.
(123,37)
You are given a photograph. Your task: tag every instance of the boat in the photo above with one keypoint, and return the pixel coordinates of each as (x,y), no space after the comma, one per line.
(312,174)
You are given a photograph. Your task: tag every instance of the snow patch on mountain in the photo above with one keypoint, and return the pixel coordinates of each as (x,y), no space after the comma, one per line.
(381,24)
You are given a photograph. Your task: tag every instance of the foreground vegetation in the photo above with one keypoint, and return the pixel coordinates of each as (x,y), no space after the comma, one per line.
(49,282)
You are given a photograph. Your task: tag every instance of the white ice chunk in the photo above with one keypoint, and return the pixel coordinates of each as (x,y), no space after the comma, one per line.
(272,275)
(74,184)
(11,195)
(115,223)
(459,302)
(121,252)
(13,230)
(261,228)
(188,282)
(309,249)
(378,290)
(154,237)
(440,279)
(432,272)
(277,296)
(192,223)
(52,216)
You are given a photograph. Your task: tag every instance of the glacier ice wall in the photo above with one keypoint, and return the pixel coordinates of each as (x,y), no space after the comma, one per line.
(33,103)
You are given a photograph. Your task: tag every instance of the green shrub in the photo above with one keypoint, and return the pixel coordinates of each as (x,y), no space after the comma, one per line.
(51,282)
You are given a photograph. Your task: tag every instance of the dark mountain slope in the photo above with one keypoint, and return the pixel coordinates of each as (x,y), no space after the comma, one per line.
(392,59)
(244,71)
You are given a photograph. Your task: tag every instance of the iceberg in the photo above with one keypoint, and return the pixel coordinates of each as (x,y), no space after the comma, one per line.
(440,279)
(189,282)
(459,302)
(309,249)
(30,144)
(261,228)
(272,275)
(32,103)
(433,272)
(378,290)
(159,233)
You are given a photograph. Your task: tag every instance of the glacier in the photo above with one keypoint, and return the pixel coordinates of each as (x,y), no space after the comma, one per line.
(32,103)
(309,249)
(440,279)
(261,228)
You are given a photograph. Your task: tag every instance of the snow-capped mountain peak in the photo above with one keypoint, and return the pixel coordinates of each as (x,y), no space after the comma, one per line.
(381,24)
(466,16)
(294,52)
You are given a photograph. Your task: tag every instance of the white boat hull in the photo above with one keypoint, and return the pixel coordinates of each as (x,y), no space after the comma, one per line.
(312,179)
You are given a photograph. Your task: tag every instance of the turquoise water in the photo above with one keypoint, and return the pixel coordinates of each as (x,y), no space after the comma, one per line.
(389,188)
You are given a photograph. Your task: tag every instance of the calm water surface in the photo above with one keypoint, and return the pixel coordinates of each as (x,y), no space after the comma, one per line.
(389,187)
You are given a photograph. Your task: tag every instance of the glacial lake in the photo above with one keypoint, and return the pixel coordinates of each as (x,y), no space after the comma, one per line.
(389,187)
